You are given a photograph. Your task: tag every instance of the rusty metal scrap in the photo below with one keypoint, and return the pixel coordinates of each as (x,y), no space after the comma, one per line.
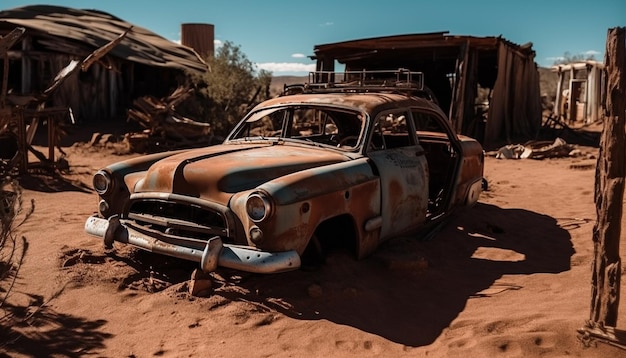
(537,150)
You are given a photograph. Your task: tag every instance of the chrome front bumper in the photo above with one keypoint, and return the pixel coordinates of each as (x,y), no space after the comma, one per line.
(214,254)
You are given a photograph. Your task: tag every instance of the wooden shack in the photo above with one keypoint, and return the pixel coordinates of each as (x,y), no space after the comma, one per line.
(488,85)
(579,91)
(143,63)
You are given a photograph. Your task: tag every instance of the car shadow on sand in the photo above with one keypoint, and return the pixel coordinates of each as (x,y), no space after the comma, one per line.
(411,290)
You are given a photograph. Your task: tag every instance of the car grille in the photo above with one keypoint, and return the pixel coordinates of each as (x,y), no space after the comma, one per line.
(178,219)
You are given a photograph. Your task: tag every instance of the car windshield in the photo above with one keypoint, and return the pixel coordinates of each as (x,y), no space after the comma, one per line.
(329,126)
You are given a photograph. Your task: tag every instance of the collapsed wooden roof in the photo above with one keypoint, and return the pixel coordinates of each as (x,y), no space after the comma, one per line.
(79,32)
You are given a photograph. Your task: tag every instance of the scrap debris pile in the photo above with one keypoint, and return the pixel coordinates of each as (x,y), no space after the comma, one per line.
(165,128)
(537,150)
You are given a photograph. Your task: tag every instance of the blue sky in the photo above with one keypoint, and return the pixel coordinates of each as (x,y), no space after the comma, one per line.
(278,35)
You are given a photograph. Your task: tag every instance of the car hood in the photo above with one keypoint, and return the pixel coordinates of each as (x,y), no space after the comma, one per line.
(216,173)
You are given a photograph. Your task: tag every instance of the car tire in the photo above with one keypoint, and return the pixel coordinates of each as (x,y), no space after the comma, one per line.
(313,256)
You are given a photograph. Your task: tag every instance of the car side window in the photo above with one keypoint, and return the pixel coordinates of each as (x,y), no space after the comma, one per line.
(264,124)
(338,128)
(312,122)
(427,122)
(391,130)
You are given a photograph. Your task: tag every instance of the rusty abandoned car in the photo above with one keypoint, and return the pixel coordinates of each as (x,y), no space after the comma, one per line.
(360,160)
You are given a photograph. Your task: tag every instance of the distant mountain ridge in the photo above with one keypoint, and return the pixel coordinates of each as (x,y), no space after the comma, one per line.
(278,82)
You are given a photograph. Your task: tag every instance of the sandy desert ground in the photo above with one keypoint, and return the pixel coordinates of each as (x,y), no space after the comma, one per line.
(509,278)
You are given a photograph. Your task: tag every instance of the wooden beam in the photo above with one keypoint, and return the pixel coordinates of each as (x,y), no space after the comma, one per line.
(5,44)
(609,192)
(458,91)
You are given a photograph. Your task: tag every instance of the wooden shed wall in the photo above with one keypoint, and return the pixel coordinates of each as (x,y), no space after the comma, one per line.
(515,107)
(105,91)
(91,95)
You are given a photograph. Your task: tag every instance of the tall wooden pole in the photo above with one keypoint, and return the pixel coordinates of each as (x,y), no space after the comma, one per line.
(609,189)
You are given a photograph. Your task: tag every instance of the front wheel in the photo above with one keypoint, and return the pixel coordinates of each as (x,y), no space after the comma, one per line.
(313,256)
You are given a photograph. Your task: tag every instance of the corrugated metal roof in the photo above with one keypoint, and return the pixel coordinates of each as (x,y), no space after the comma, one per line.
(96,28)
(413,41)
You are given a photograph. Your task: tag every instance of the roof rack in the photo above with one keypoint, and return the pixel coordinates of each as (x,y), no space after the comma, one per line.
(400,80)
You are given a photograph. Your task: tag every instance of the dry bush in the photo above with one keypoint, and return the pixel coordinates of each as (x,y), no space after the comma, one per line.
(12,248)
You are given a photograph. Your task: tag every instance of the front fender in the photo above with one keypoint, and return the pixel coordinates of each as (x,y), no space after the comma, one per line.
(303,200)
(319,181)
(124,175)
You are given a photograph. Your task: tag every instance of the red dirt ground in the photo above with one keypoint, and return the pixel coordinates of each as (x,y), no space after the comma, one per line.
(509,278)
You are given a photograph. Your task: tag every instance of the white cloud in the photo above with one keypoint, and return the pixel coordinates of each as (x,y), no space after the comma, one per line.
(327,24)
(298,55)
(555,59)
(291,67)
(586,54)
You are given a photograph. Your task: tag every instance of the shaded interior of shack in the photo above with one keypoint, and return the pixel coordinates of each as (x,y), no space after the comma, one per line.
(94,94)
(437,64)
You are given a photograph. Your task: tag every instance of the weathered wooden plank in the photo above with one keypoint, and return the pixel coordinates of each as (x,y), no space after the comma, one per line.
(460,85)
(496,114)
(609,188)
(7,41)
(103,50)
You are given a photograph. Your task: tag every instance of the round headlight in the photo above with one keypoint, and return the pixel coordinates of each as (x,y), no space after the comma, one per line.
(103,208)
(102,182)
(258,207)
(256,235)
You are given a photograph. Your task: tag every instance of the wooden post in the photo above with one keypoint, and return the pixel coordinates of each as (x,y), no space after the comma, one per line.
(609,194)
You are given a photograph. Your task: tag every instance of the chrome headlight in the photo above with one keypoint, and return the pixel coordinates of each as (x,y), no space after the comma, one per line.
(258,207)
(103,208)
(102,182)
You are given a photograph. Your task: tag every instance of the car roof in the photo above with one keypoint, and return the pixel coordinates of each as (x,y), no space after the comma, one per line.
(370,102)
